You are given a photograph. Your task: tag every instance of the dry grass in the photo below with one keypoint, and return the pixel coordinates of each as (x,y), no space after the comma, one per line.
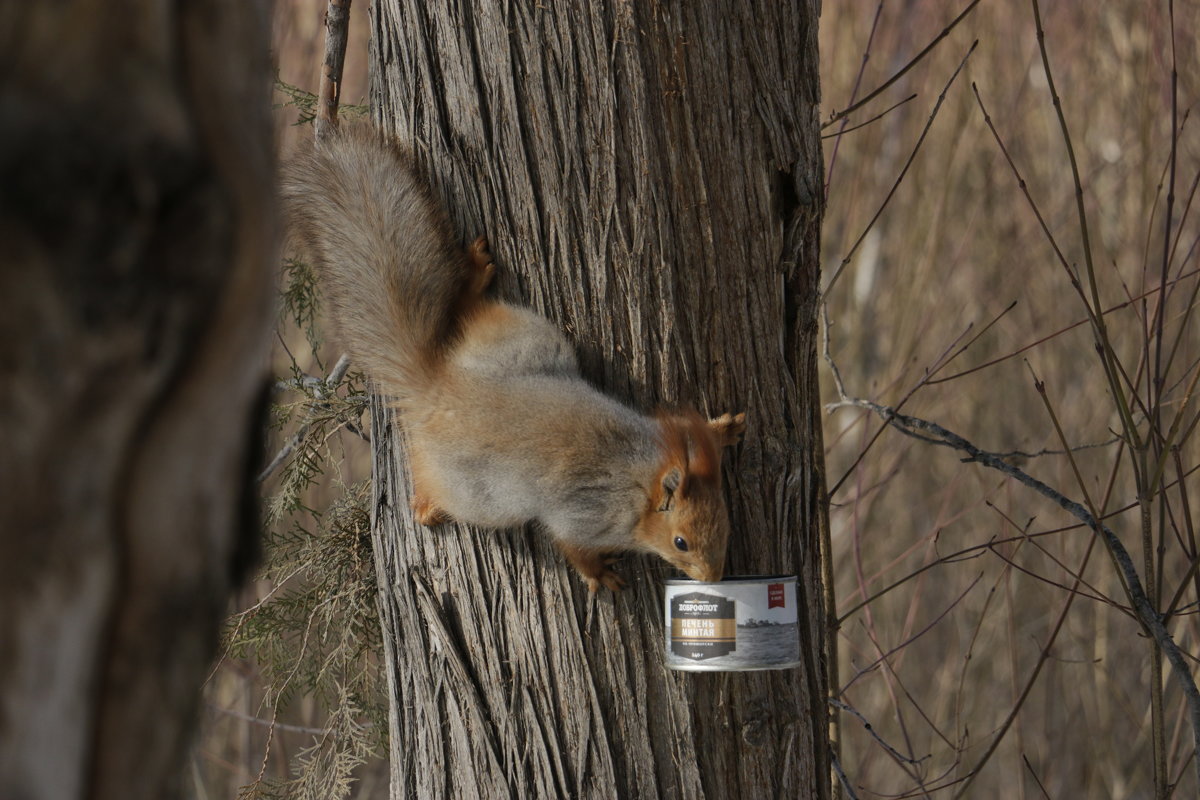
(954,248)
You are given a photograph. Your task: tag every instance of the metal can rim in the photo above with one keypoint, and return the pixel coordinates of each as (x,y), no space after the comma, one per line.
(731,580)
(701,667)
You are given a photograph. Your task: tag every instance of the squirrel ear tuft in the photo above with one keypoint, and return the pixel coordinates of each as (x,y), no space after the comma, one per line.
(671,480)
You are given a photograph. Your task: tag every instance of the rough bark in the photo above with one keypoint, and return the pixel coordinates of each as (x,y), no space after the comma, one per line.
(649,176)
(137,219)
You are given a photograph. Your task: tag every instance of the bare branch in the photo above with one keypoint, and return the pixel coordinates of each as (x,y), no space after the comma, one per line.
(1042,340)
(901,72)
(1033,774)
(337,25)
(319,389)
(874,735)
(1149,619)
(875,118)
(862,68)
(266,723)
(884,657)
(912,156)
(841,774)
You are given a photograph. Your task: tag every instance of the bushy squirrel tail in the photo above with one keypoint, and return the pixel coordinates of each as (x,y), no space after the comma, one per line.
(391,271)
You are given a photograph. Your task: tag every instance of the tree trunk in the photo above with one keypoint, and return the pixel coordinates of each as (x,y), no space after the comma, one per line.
(137,219)
(650,177)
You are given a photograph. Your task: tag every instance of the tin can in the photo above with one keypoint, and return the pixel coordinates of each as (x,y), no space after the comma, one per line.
(745,622)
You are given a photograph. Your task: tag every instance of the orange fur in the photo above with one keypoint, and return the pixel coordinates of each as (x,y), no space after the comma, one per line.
(691,444)
(685,502)
(593,565)
(425,489)
(487,322)
(476,280)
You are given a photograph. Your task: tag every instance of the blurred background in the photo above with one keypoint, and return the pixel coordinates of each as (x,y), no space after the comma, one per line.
(997,639)
(939,664)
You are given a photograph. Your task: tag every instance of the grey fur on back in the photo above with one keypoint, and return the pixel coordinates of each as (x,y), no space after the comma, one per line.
(384,250)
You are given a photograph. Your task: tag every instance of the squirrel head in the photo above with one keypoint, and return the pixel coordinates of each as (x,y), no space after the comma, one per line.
(685,520)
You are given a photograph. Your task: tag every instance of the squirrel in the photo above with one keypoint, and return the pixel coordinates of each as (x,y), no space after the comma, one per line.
(502,429)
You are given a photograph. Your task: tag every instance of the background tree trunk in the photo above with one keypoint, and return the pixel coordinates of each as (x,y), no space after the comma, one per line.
(651,178)
(136,212)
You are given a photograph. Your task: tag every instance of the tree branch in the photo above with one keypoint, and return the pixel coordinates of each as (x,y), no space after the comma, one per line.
(903,70)
(1150,620)
(319,388)
(337,25)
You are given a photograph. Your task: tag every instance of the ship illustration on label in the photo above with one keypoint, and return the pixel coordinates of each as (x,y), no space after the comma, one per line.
(703,626)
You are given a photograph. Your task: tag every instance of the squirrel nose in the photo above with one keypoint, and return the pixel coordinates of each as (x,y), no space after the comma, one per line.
(707,574)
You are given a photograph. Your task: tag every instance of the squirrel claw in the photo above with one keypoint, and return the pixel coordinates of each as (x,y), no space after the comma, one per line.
(607,578)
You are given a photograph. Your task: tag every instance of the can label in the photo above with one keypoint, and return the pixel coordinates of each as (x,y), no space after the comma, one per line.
(702,626)
(740,623)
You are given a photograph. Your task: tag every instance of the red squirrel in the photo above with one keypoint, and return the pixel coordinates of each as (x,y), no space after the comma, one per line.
(502,430)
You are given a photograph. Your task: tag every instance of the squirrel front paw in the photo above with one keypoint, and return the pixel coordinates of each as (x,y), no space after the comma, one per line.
(728,428)
(594,566)
(606,577)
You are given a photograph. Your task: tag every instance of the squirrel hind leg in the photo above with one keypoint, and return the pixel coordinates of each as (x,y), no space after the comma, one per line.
(477,277)
(594,566)
(426,512)
(425,508)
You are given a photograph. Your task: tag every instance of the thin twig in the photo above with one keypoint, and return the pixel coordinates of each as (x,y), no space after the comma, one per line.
(884,657)
(1095,593)
(1042,340)
(1108,354)
(337,25)
(1150,620)
(1155,400)
(938,365)
(266,723)
(319,389)
(890,677)
(1190,305)
(875,118)
(1043,656)
(841,774)
(1036,779)
(874,735)
(1190,530)
(866,56)
(899,74)
(904,171)
(966,554)
(856,403)
(273,724)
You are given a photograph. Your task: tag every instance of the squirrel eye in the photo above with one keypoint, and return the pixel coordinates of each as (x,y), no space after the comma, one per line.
(681,543)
